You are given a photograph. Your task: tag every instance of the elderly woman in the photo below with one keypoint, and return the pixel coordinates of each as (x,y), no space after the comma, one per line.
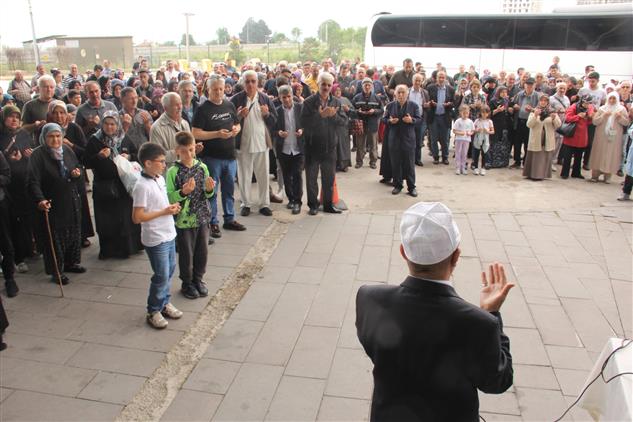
(501,120)
(606,152)
(116,85)
(343,151)
(53,182)
(15,144)
(119,237)
(542,122)
(75,139)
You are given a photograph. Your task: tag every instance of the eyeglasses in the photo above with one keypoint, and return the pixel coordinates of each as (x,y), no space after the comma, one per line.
(250,81)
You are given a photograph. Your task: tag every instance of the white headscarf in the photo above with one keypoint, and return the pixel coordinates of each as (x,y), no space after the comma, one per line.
(610,127)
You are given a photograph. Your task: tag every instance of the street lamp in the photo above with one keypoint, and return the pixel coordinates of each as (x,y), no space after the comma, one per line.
(187,34)
(36,51)
(268,47)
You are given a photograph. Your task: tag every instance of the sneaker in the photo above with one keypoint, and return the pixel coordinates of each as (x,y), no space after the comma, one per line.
(476,171)
(170,311)
(482,172)
(624,197)
(22,267)
(215,231)
(12,288)
(458,172)
(234,225)
(554,168)
(465,171)
(201,287)
(189,291)
(157,320)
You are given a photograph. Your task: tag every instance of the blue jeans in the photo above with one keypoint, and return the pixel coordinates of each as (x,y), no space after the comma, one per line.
(162,258)
(223,173)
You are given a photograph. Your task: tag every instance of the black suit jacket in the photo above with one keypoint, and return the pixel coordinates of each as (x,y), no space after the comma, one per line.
(450,98)
(431,352)
(281,125)
(402,134)
(320,134)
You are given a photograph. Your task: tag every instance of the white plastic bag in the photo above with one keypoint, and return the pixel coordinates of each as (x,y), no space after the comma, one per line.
(129,172)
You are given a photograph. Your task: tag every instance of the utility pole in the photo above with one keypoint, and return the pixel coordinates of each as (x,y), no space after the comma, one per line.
(187,33)
(36,51)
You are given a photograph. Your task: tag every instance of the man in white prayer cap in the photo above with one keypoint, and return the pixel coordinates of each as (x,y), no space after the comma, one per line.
(431,349)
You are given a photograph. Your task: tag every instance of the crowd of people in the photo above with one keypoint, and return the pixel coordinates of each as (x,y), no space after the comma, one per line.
(214,129)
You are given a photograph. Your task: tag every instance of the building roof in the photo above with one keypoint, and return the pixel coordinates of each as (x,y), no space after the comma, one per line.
(54,37)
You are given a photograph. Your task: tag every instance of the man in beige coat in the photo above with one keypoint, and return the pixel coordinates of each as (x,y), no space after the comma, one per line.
(164,129)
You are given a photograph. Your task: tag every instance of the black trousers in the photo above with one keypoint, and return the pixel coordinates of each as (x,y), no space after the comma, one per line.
(628,184)
(402,164)
(327,164)
(567,153)
(292,168)
(6,246)
(520,140)
(192,253)
(591,132)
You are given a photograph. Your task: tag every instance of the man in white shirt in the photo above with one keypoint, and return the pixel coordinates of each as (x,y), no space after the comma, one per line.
(257,116)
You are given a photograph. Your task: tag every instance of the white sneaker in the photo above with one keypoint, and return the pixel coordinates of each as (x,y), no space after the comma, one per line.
(476,171)
(170,311)
(157,320)
(465,171)
(482,172)
(458,172)
(554,168)
(22,267)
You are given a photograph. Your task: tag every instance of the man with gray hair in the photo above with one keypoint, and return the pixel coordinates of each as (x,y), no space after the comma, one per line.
(321,115)
(165,128)
(20,89)
(34,112)
(257,116)
(189,101)
(560,103)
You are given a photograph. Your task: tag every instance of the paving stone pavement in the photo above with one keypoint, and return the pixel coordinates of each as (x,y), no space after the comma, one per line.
(289,350)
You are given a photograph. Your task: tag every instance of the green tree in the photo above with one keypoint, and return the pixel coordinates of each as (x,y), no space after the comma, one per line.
(296,33)
(278,37)
(223,35)
(183,40)
(311,49)
(169,44)
(255,32)
(328,30)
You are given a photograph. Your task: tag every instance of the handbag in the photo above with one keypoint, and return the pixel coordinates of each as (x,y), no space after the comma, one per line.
(357,127)
(567,129)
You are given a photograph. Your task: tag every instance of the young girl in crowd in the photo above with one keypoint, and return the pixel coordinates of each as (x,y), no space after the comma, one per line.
(463,128)
(481,141)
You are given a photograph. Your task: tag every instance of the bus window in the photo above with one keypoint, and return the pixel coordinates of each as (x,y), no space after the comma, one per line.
(443,33)
(486,33)
(392,32)
(600,34)
(540,34)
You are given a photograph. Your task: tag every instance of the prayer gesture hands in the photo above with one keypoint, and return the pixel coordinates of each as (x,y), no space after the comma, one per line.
(407,118)
(494,288)
(209,184)
(189,186)
(327,111)
(173,209)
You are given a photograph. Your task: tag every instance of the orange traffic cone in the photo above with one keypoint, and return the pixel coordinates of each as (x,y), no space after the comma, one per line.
(335,198)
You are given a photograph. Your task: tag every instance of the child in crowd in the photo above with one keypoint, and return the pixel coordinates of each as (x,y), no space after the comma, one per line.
(154,213)
(481,140)
(628,171)
(189,183)
(463,128)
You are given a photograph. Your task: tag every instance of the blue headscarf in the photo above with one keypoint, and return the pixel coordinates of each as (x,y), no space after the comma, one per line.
(56,154)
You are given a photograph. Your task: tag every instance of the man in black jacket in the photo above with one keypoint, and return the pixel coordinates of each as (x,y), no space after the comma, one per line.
(321,115)
(369,110)
(288,138)
(431,349)
(442,97)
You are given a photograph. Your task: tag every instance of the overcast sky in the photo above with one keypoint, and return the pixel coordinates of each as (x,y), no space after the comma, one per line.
(148,20)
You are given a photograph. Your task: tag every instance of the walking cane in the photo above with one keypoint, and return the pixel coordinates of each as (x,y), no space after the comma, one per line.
(52,245)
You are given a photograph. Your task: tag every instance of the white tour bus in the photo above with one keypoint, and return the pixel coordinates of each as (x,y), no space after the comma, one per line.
(603,38)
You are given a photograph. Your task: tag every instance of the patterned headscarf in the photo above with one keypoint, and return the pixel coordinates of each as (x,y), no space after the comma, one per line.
(56,153)
(112,141)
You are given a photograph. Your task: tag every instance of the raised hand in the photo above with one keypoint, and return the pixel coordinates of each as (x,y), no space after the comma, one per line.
(189,186)
(494,288)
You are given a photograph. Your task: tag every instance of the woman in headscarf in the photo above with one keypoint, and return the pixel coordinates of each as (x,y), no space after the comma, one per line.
(119,237)
(606,152)
(343,151)
(542,123)
(501,119)
(53,182)
(15,144)
(116,85)
(75,139)
(155,106)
